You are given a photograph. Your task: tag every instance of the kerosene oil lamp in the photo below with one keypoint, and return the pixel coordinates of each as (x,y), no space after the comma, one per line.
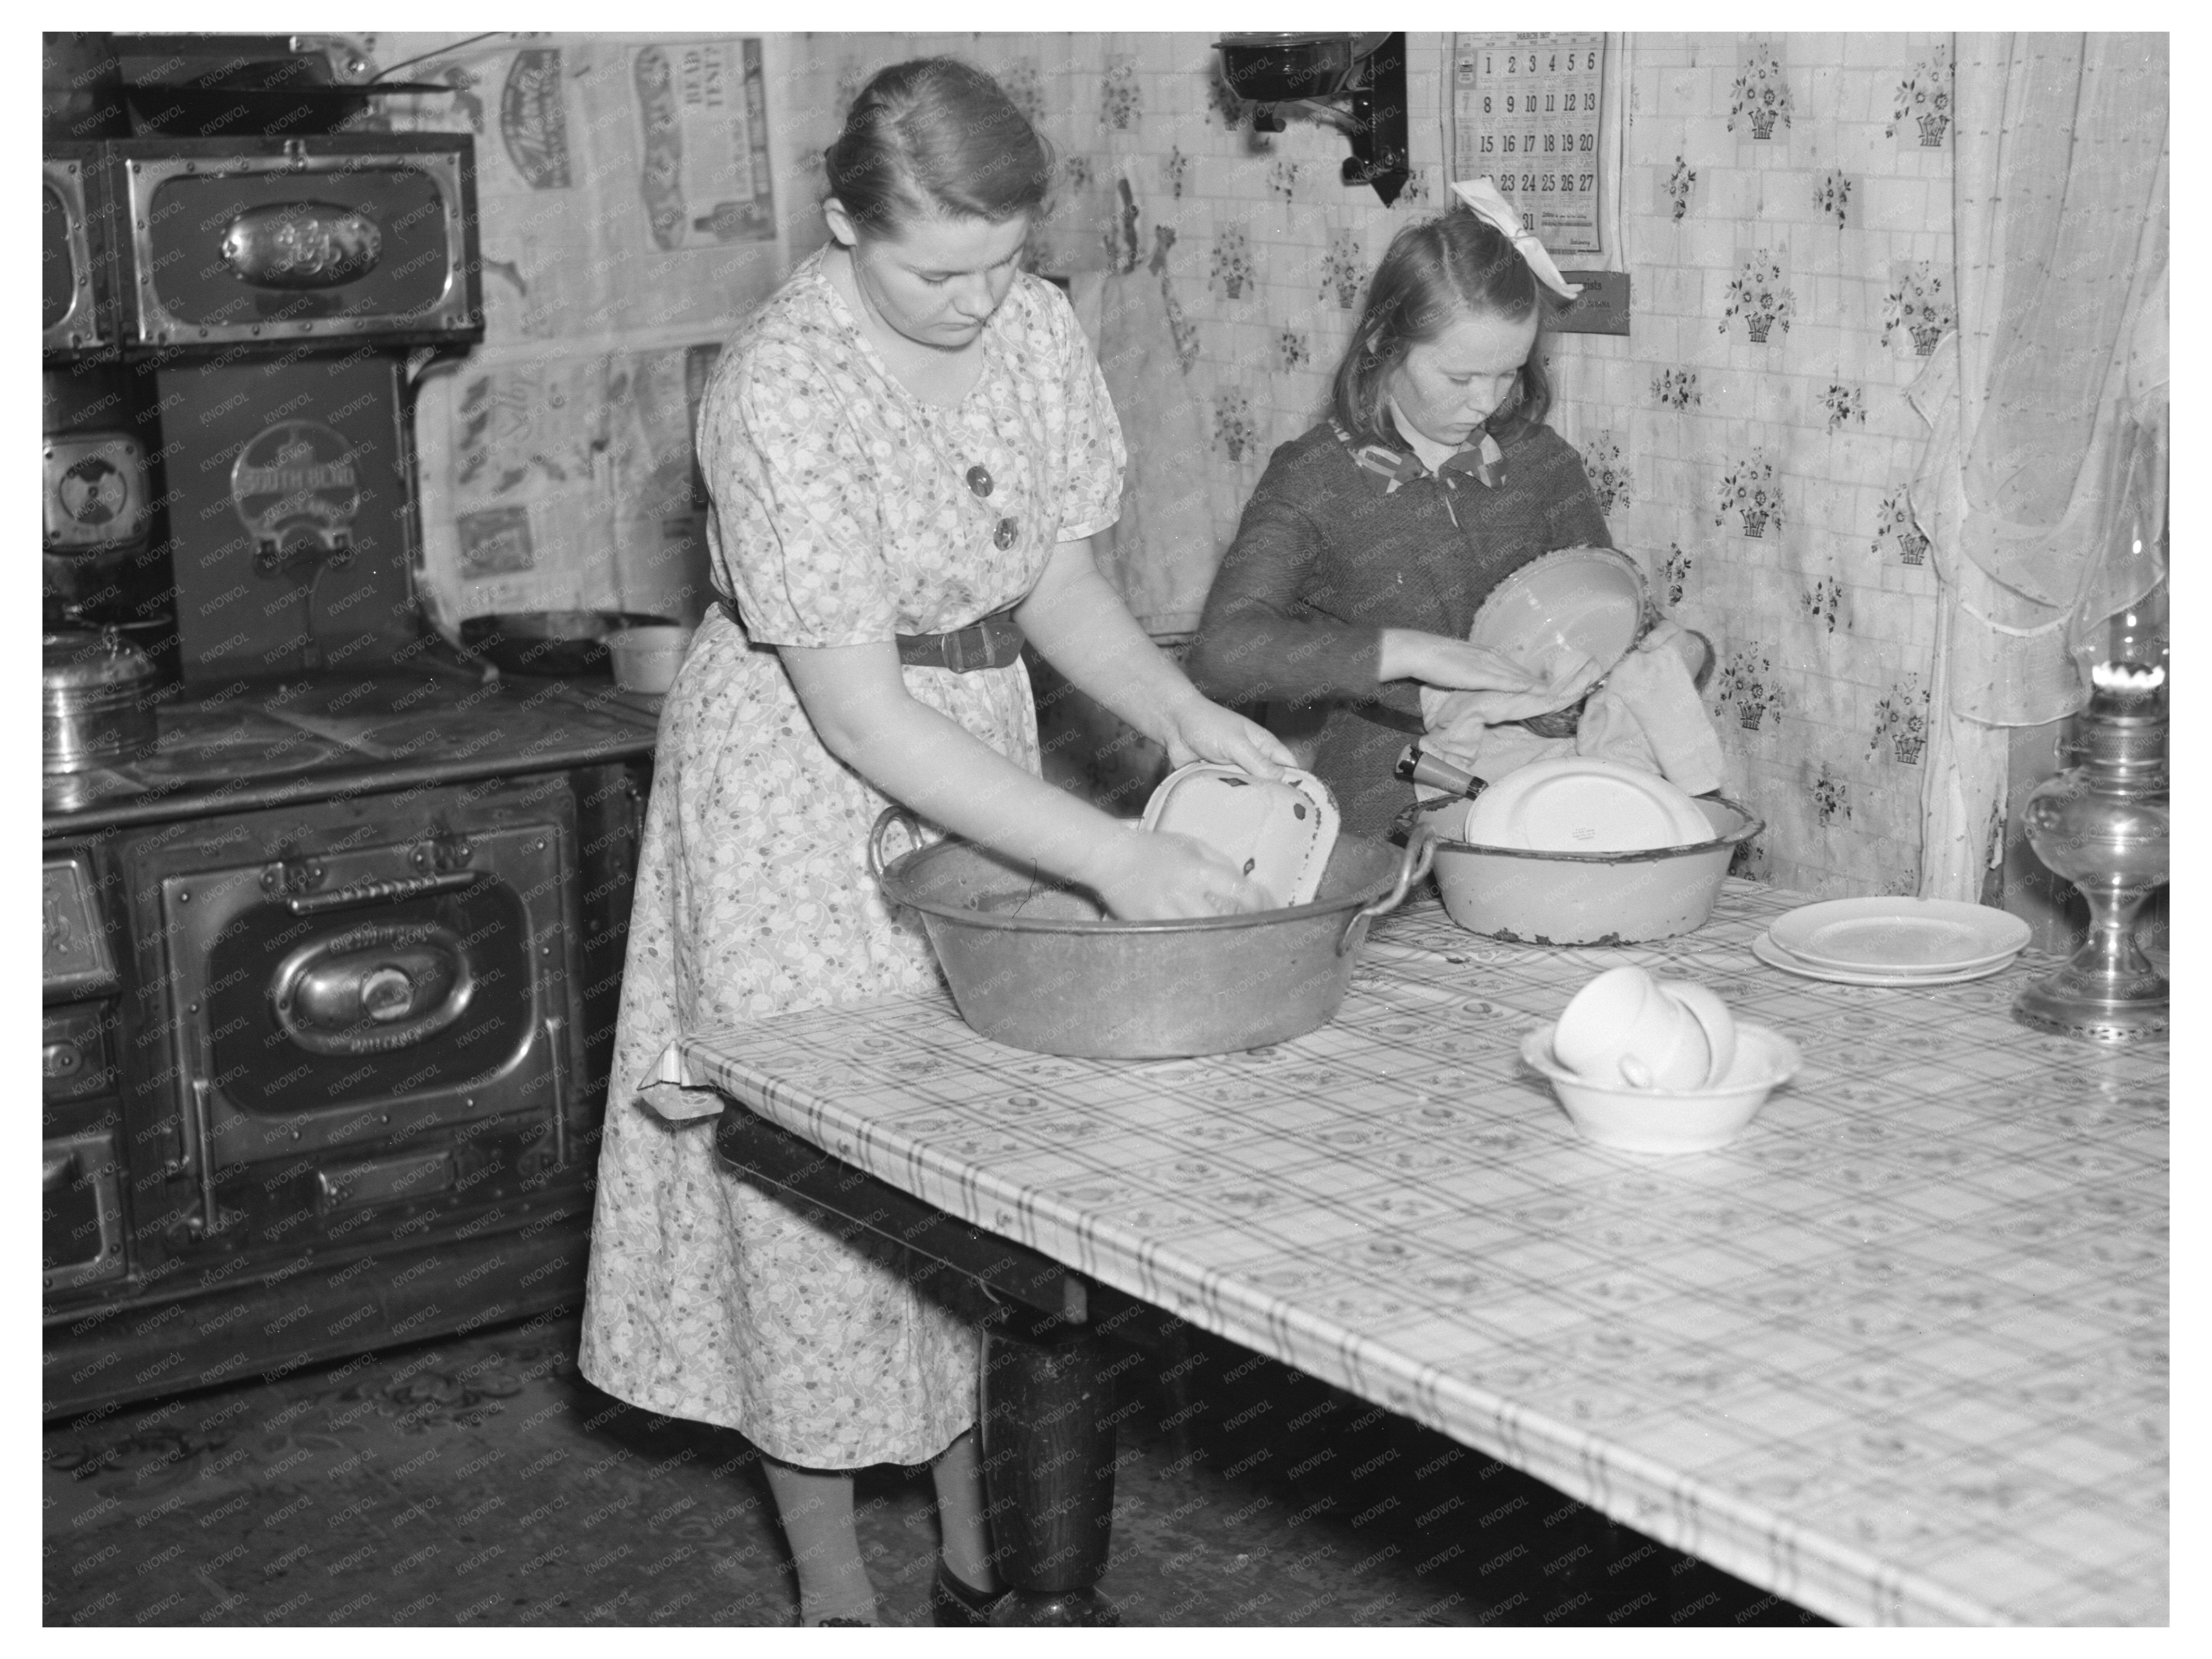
(2103,825)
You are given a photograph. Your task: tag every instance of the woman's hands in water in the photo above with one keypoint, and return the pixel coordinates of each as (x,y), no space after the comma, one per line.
(1199,730)
(1153,877)
(856,697)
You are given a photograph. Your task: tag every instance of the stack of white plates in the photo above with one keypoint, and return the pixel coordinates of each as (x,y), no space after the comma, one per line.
(1892,941)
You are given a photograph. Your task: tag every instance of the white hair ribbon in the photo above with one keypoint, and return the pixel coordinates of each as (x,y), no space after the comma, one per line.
(1482,195)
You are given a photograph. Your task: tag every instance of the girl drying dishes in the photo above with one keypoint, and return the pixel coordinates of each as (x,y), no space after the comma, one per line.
(1371,540)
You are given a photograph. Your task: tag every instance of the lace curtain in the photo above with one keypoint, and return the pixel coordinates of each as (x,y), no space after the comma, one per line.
(2042,489)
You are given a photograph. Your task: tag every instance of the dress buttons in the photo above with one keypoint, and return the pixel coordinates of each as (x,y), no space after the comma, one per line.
(979,480)
(1003,537)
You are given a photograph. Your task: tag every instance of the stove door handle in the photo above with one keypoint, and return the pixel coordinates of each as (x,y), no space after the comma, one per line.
(381,892)
(555,1027)
(210,1216)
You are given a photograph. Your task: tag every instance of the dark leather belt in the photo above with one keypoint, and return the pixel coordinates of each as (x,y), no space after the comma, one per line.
(994,642)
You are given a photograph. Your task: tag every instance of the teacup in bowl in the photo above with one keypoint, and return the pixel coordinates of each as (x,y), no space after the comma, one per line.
(1624,1026)
(1636,1119)
(1714,1020)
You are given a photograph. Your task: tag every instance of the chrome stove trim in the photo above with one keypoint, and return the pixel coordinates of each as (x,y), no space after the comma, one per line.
(78,329)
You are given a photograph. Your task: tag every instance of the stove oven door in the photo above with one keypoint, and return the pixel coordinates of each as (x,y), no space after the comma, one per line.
(356,987)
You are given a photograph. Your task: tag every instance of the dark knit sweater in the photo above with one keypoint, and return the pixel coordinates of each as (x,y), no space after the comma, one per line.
(1327,555)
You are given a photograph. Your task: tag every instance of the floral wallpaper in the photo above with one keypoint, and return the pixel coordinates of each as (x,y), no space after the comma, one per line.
(1760,297)
(1917,308)
(1785,205)
(1924,99)
(1760,96)
(1788,237)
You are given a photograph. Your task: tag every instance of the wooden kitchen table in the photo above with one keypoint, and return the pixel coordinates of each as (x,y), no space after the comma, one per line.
(1898,1355)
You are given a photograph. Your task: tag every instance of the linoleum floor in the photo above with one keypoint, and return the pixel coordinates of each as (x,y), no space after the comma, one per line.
(479,1480)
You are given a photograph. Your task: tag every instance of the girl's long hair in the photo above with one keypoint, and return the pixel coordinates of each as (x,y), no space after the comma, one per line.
(1433,273)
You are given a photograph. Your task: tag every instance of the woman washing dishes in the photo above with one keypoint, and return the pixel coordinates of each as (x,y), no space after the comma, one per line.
(908,448)
(1372,539)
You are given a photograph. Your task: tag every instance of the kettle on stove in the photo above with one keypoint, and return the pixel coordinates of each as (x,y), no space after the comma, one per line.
(97,702)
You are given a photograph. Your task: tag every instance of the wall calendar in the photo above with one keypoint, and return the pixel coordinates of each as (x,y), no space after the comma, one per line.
(1530,110)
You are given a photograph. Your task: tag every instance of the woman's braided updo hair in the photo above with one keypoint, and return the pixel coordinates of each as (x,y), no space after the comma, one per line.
(1433,273)
(936,136)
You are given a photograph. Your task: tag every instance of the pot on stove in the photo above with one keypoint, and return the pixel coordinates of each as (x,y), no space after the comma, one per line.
(97,705)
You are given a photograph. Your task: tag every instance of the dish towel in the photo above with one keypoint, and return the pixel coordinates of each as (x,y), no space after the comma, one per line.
(1645,713)
(1161,554)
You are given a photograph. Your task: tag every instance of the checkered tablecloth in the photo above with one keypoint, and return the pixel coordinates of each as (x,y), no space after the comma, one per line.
(1898,1354)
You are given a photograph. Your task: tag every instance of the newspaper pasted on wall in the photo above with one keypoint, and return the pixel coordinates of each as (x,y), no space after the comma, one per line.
(628,206)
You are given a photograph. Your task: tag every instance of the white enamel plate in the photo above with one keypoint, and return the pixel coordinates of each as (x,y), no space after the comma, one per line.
(1900,935)
(1774,956)
(1579,804)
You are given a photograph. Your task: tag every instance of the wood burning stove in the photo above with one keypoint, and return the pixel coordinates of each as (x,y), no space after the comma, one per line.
(331,964)
(325,1048)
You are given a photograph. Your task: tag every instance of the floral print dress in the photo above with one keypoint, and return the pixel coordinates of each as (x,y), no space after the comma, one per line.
(842,514)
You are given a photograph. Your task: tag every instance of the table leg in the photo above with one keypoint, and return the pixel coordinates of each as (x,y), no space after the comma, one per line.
(1049,1468)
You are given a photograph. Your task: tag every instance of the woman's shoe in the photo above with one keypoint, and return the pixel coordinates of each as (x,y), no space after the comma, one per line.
(961,1605)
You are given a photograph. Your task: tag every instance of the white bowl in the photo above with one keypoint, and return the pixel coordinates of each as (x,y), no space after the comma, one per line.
(647,659)
(1528,897)
(1588,599)
(1661,1121)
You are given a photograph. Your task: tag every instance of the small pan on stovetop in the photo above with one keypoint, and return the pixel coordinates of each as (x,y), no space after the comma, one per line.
(548,642)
